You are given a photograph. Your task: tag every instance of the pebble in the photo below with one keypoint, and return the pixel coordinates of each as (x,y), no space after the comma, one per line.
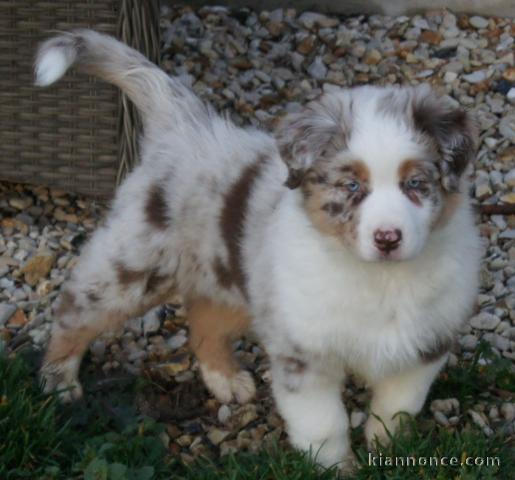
(441,419)
(446,405)
(7,310)
(151,322)
(177,341)
(317,69)
(450,77)
(478,22)
(38,267)
(485,321)
(312,19)
(481,422)
(476,77)
(217,436)
(507,127)
(244,415)
(224,413)
(508,411)
(509,178)
(18,320)
(508,198)
(176,364)
(20,203)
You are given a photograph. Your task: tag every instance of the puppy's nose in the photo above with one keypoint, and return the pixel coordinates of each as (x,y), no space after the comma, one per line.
(387,240)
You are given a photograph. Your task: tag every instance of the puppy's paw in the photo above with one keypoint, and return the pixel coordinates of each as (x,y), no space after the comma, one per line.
(239,387)
(349,465)
(375,432)
(61,378)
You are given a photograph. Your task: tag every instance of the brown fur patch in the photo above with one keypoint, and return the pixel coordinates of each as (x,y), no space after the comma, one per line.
(435,352)
(452,133)
(329,202)
(66,303)
(425,174)
(232,222)
(75,338)
(155,281)
(126,276)
(213,328)
(293,365)
(223,275)
(156,208)
(93,296)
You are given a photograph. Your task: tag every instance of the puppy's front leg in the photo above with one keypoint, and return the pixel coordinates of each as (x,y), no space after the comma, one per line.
(402,392)
(308,396)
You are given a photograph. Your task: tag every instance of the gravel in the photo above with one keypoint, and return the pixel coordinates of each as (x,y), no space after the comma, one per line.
(257,66)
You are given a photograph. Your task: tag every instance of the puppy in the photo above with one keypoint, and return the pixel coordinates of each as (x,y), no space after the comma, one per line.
(347,242)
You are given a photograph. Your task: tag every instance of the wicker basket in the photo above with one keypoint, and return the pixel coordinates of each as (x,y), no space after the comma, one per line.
(79,135)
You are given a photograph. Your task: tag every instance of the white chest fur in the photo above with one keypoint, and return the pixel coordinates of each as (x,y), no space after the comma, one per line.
(375,317)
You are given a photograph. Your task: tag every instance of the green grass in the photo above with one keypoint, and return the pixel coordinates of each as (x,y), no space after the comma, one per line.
(40,439)
(469,379)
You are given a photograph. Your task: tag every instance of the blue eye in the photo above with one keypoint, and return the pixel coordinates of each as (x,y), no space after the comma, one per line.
(413,183)
(353,186)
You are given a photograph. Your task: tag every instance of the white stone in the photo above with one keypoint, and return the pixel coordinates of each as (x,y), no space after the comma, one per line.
(310,19)
(476,77)
(177,341)
(445,405)
(485,321)
(468,342)
(151,322)
(449,77)
(440,418)
(508,411)
(224,413)
(478,22)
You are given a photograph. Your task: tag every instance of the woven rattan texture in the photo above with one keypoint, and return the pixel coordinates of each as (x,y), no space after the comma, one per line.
(77,135)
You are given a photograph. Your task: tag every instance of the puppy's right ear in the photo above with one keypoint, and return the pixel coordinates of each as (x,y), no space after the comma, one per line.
(315,132)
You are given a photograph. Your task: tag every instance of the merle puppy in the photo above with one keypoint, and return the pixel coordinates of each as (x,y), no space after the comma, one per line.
(346,241)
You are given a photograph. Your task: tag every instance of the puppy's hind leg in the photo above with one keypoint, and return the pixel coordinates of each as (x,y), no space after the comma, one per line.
(112,282)
(213,328)
(75,326)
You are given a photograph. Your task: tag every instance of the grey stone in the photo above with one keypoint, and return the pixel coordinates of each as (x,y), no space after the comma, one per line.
(312,19)
(476,77)
(7,310)
(507,127)
(177,341)
(508,411)
(468,342)
(441,419)
(317,69)
(485,321)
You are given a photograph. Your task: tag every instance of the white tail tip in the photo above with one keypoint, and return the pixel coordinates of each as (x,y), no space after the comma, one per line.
(51,65)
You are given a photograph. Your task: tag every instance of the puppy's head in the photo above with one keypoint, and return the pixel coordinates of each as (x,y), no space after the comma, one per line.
(379,168)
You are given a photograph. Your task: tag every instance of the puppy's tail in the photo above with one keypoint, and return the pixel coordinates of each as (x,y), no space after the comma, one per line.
(160,98)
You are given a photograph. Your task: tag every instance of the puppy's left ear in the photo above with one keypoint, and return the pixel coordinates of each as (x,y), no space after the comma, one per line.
(315,132)
(452,130)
